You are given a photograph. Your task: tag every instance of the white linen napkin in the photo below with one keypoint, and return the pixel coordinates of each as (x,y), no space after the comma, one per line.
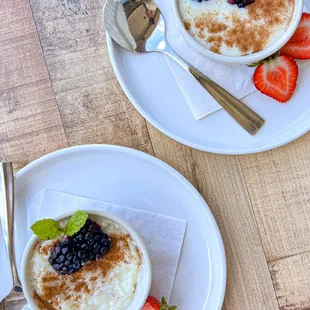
(163,235)
(237,79)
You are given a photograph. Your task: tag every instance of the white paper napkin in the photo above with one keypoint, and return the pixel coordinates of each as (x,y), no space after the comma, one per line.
(163,235)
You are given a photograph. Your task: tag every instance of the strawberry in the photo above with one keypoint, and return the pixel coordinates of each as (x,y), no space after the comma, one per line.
(153,304)
(298,46)
(277,78)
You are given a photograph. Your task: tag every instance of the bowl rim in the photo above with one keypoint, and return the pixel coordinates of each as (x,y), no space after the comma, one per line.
(110,216)
(247,59)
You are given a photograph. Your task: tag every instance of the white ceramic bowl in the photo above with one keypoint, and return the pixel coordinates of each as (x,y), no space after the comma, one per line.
(142,289)
(247,59)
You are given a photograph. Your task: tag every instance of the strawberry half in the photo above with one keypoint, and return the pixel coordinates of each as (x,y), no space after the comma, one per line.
(277,78)
(298,46)
(153,304)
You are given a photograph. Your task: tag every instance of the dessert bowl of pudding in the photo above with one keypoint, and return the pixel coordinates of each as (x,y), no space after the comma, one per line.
(237,31)
(96,261)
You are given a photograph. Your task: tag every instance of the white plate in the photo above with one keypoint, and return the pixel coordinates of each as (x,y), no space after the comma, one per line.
(128,177)
(150,86)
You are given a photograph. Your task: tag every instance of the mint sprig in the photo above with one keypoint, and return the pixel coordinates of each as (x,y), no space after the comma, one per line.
(76,222)
(49,229)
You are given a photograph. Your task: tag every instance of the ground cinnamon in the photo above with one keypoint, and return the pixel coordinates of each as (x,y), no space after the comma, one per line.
(240,32)
(44,305)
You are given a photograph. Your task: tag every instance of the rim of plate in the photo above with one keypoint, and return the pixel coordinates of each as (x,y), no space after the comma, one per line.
(111,45)
(173,172)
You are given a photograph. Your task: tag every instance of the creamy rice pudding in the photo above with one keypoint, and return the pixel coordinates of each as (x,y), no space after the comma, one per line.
(105,284)
(230,30)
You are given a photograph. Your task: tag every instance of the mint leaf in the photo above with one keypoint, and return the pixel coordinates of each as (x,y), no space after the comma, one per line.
(76,222)
(164,305)
(47,229)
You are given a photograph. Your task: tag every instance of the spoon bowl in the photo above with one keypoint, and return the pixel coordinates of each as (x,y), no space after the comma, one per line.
(136,26)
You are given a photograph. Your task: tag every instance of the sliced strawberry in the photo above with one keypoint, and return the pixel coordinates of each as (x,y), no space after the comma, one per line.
(298,46)
(153,304)
(277,78)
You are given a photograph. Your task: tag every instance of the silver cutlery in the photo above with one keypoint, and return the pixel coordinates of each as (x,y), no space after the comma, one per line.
(15,300)
(139,26)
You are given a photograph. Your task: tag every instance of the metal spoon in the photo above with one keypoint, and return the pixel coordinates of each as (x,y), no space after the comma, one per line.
(15,300)
(139,26)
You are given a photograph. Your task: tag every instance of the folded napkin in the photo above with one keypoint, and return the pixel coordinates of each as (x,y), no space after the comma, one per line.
(163,235)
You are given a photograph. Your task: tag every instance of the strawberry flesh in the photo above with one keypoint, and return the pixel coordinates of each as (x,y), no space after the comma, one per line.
(151,304)
(298,47)
(277,78)
(154,304)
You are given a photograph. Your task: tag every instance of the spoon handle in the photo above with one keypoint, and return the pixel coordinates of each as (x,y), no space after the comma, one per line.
(7,218)
(246,117)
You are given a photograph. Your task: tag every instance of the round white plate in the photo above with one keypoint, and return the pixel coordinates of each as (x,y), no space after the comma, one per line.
(150,86)
(132,178)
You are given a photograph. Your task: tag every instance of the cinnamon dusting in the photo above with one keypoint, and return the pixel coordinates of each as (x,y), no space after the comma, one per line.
(45,249)
(187,25)
(44,305)
(81,286)
(215,42)
(249,33)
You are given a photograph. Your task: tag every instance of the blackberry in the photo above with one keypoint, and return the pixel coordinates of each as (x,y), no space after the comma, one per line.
(89,243)
(92,240)
(241,3)
(246,2)
(64,258)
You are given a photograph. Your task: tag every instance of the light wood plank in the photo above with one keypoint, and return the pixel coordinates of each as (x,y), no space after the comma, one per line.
(30,124)
(291,279)
(16,19)
(93,107)
(279,186)
(64,31)
(219,179)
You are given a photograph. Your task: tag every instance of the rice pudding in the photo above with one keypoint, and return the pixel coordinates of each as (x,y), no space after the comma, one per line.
(105,284)
(234,31)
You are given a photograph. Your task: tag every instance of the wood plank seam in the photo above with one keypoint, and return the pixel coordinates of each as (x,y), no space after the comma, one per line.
(148,131)
(22,84)
(17,37)
(287,256)
(257,227)
(48,72)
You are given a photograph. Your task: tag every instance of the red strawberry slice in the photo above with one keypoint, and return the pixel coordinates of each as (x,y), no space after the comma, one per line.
(277,78)
(153,304)
(298,46)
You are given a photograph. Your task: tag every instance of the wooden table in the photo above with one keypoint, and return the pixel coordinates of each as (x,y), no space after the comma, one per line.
(58,89)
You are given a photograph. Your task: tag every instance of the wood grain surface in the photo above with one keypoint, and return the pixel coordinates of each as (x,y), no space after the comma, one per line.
(30,123)
(57,89)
